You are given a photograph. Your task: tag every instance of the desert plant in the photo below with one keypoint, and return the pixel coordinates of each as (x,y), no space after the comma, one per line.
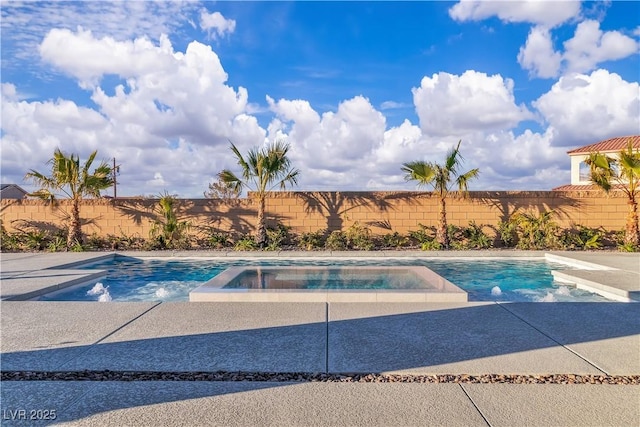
(73,180)
(622,172)
(432,245)
(581,237)
(506,231)
(77,247)
(277,237)
(456,237)
(475,237)
(262,170)
(57,244)
(219,240)
(9,242)
(336,241)
(359,237)
(312,240)
(424,238)
(35,239)
(245,243)
(394,240)
(536,231)
(167,230)
(441,177)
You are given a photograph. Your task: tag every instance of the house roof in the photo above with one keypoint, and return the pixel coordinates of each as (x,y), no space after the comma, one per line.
(612,144)
(7,186)
(583,187)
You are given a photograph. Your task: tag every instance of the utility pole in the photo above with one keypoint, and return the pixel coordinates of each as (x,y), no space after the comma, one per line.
(115,171)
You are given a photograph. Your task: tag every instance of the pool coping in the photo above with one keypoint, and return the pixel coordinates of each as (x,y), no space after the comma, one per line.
(440,289)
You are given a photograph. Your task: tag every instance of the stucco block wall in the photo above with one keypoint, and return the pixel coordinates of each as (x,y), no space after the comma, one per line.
(383,212)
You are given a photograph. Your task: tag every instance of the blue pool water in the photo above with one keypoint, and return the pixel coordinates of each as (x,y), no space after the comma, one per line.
(133,279)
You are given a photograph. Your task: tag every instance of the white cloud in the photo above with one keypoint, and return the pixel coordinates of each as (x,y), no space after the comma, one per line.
(448,104)
(393,105)
(25,24)
(591,46)
(582,109)
(88,58)
(167,93)
(538,55)
(168,122)
(216,22)
(544,13)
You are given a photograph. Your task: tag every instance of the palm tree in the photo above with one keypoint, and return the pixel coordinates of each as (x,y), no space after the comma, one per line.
(442,178)
(74,181)
(623,173)
(262,170)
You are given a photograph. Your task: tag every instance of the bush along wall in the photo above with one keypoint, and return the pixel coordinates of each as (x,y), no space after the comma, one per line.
(330,221)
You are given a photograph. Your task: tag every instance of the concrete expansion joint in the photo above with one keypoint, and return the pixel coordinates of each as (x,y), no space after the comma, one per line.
(504,306)
(484,418)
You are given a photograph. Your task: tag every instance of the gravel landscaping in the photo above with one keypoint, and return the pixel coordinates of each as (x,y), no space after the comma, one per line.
(317,377)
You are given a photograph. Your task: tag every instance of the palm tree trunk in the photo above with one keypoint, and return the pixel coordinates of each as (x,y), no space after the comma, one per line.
(441,234)
(261,232)
(632,232)
(75,231)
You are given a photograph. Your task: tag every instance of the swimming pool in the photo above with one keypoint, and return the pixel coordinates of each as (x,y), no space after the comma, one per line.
(486,279)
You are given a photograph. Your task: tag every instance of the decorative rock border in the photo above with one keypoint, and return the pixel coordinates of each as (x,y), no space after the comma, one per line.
(317,377)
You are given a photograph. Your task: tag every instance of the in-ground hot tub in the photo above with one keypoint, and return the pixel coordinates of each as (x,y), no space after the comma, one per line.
(329,284)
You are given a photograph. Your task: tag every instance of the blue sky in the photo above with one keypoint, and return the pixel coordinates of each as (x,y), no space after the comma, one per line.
(356,88)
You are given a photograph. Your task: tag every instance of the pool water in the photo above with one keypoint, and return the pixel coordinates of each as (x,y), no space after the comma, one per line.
(496,279)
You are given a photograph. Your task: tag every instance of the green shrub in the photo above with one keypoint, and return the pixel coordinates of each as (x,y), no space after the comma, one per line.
(278,237)
(245,243)
(219,240)
(394,240)
(9,242)
(475,237)
(312,240)
(536,231)
(422,235)
(628,247)
(336,241)
(57,244)
(507,233)
(582,238)
(432,245)
(359,237)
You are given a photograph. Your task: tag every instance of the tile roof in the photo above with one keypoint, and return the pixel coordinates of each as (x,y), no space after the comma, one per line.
(612,144)
(582,187)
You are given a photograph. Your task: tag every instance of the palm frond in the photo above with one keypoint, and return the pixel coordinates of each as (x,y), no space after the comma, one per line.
(420,171)
(231,180)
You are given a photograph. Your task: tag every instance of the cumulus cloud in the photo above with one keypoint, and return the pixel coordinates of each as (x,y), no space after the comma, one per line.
(167,120)
(335,139)
(25,24)
(167,93)
(544,13)
(581,109)
(87,58)
(538,55)
(216,23)
(449,104)
(591,46)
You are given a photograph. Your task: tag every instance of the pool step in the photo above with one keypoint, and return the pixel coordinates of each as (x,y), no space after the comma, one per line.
(627,284)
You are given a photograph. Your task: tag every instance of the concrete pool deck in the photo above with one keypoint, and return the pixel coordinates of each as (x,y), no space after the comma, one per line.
(404,338)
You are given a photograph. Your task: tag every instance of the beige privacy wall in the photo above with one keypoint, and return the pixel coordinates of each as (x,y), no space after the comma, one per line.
(383,212)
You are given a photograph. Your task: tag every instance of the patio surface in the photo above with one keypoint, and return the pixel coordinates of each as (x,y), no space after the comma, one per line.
(472,338)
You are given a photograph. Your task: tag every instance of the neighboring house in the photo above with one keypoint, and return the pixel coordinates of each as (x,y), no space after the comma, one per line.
(12,191)
(580,175)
